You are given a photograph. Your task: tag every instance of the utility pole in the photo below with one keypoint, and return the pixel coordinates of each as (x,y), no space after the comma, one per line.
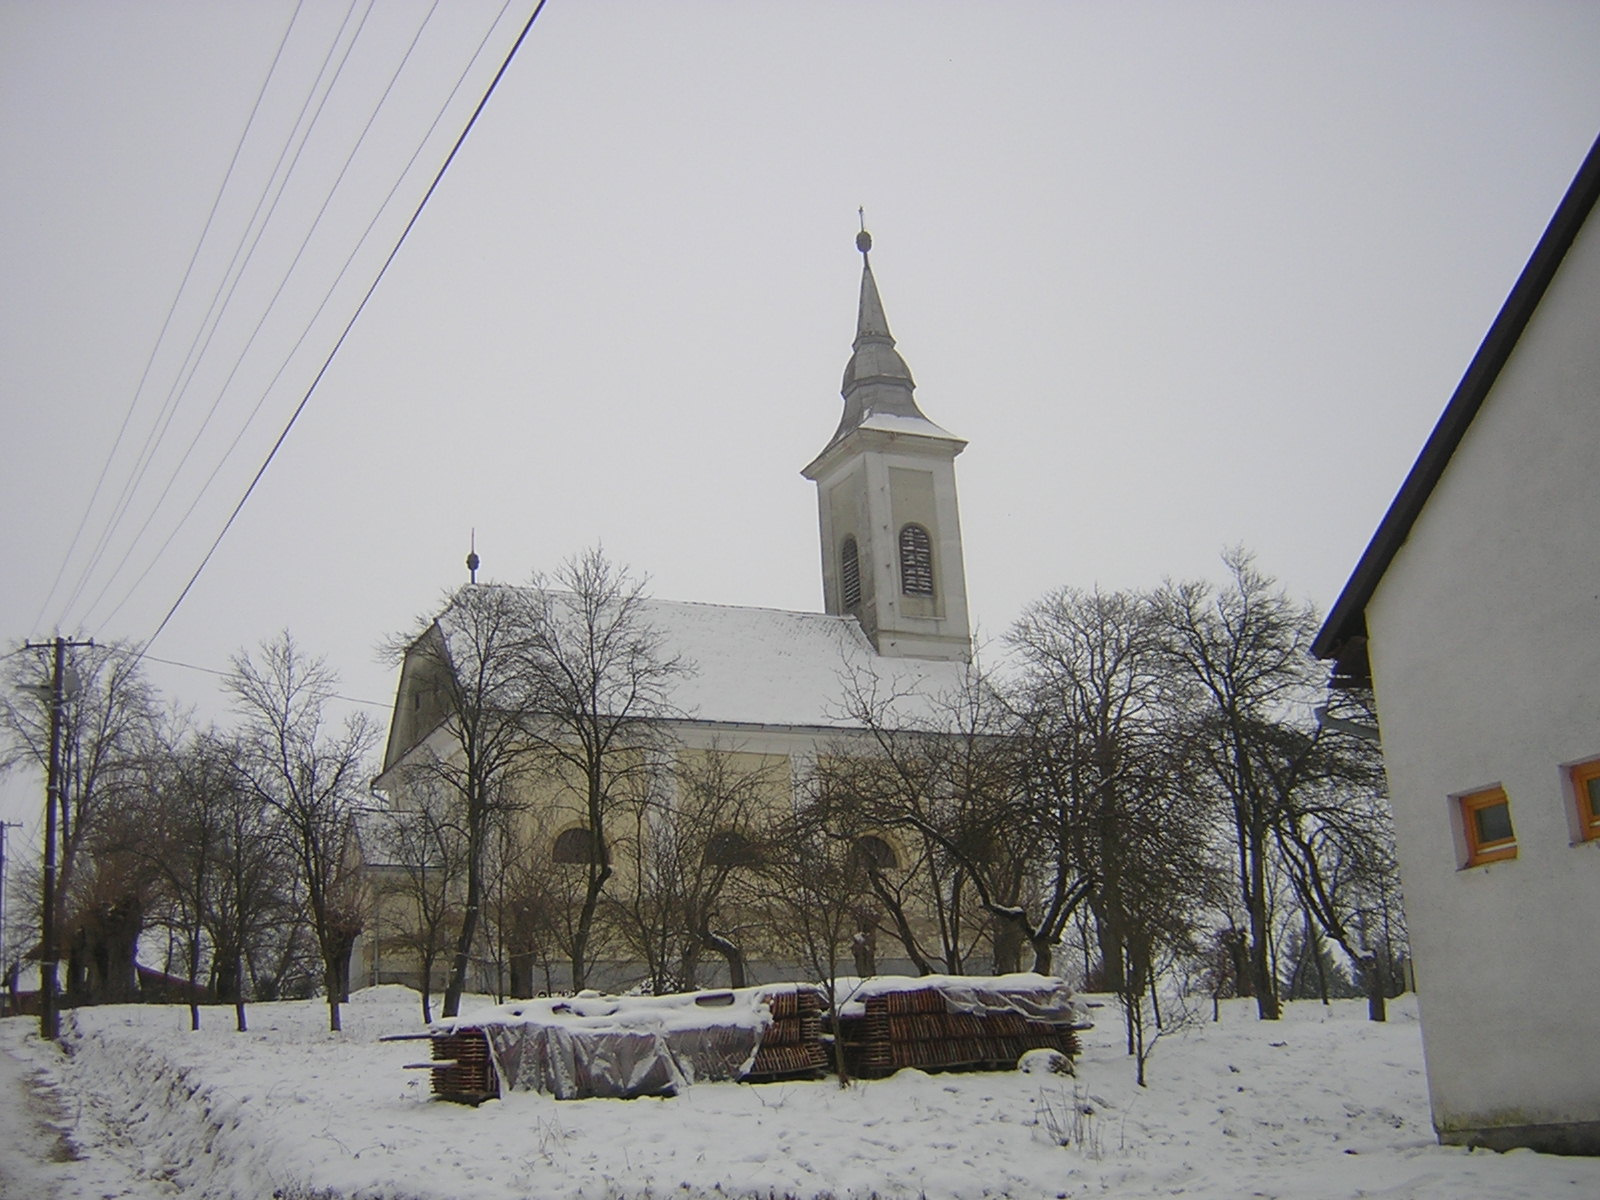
(49,1017)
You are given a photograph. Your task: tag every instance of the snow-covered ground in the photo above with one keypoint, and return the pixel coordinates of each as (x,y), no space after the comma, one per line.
(1322,1104)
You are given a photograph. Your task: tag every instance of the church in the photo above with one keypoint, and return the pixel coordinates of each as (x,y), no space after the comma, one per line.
(761,696)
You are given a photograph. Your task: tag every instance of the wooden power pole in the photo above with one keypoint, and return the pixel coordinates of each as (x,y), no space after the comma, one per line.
(49,1015)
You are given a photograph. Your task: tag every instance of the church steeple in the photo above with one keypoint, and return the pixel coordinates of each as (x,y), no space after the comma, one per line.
(891,532)
(876,379)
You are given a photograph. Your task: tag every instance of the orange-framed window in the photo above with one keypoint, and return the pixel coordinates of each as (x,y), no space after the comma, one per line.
(1586,791)
(1486,818)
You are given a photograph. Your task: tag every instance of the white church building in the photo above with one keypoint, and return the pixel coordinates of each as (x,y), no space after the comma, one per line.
(768,685)
(1475,616)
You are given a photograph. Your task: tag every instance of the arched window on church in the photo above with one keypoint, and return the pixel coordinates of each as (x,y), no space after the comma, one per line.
(916,561)
(574,846)
(850,573)
(730,848)
(874,854)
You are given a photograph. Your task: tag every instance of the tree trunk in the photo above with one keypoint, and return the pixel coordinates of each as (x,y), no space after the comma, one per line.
(457,983)
(344,951)
(1043,955)
(1267,1006)
(1008,943)
(194,975)
(427,988)
(330,984)
(1239,962)
(732,953)
(591,906)
(238,992)
(1111,979)
(1377,1001)
(1318,958)
(522,970)
(903,931)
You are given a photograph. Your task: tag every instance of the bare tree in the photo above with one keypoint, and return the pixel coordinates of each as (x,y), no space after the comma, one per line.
(1335,840)
(107,718)
(694,859)
(545,883)
(647,910)
(216,852)
(423,849)
(1245,651)
(599,678)
(1096,712)
(312,772)
(249,905)
(180,817)
(470,667)
(954,774)
(816,882)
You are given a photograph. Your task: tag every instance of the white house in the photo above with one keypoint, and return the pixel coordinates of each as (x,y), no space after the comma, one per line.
(1475,615)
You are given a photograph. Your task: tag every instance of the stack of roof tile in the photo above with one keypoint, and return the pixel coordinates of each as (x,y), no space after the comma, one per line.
(937,1027)
(462,1068)
(594,1045)
(791,1047)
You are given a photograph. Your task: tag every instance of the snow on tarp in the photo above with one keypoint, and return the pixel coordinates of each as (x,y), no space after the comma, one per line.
(623,1046)
(1036,997)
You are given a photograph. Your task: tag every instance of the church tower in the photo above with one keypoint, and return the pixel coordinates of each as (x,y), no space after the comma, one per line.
(886,493)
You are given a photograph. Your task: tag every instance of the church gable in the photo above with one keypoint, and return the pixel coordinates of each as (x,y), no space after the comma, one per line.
(421,697)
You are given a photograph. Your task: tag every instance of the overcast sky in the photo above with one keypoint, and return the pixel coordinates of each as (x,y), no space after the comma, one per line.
(1184,274)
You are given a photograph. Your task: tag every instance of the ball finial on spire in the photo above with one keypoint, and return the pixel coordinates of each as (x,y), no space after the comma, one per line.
(863,239)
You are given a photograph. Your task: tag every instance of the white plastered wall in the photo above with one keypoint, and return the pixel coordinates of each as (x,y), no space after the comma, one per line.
(1485,645)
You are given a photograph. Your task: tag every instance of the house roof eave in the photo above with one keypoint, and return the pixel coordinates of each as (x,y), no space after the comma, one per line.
(1346,621)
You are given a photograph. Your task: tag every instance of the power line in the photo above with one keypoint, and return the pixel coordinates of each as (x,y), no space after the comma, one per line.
(166,324)
(235,270)
(361,307)
(266,312)
(169,662)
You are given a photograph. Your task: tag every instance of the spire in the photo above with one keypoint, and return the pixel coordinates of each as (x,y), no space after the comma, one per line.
(886,502)
(870,321)
(876,380)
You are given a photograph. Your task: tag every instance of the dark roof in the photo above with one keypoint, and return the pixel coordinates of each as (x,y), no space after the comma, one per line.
(1343,636)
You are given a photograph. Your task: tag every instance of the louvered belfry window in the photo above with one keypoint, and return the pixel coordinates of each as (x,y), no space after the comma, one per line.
(916,561)
(850,573)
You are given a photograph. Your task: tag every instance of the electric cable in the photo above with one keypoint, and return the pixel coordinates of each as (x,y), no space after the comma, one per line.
(260,324)
(283,366)
(166,324)
(361,307)
(170,662)
(202,336)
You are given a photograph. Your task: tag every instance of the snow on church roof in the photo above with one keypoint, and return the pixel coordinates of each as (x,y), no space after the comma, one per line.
(769,666)
(777,667)
(897,423)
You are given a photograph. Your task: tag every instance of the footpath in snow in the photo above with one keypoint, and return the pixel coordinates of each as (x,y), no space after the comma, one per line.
(1320,1105)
